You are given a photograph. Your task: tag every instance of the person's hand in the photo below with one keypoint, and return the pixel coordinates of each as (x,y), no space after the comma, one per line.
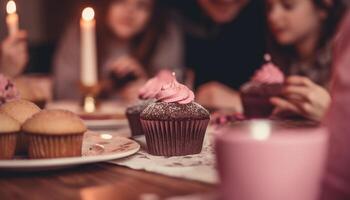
(129,93)
(14,54)
(126,65)
(217,95)
(303,97)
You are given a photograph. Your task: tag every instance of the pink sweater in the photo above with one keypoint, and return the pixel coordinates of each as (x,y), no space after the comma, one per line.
(337,180)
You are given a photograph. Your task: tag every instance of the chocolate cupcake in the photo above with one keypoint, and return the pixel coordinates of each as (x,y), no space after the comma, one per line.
(256,94)
(54,133)
(20,110)
(175,125)
(133,114)
(9,128)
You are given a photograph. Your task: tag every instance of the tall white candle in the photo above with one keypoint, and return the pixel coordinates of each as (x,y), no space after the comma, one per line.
(88,48)
(12,17)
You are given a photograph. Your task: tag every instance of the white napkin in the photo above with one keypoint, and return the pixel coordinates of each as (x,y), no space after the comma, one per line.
(199,167)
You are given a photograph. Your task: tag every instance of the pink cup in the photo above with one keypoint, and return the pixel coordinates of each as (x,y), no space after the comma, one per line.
(260,160)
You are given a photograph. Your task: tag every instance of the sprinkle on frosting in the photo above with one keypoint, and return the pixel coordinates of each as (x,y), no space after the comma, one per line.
(269,73)
(174,111)
(165,88)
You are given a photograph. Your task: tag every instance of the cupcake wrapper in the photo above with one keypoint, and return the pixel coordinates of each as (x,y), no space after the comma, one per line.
(135,124)
(257,107)
(256,99)
(46,146)
(22,144)
(174,138)
(7,145)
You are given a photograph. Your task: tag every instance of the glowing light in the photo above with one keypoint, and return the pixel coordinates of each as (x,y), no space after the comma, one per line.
(260,130)
(267,57)
(106,136)
(88,14)
(11,7)
(89,104)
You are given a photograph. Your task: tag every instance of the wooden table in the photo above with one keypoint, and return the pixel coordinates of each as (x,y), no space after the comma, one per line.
(101,182)
(94,182)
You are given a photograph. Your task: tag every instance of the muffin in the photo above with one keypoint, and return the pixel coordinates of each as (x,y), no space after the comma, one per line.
(60,136)
(174,125)
(8,91)
(266,83)
(9,128)
(133,115)
(20,110)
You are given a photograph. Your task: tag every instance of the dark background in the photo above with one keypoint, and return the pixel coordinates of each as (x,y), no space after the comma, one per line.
(45,21)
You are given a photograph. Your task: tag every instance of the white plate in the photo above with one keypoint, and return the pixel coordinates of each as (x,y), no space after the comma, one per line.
(106,124)
(96,148)
(105,109)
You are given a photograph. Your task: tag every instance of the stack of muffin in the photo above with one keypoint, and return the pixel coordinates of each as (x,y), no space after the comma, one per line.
(25,129)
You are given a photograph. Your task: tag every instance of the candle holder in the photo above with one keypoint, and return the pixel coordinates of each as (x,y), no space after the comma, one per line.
(89,101)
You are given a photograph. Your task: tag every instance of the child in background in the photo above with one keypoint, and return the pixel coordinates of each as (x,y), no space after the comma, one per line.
(134,42)
(302,32)
(337,179)
(14,54)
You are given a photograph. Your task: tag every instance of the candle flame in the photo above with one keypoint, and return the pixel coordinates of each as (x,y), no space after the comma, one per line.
(88,14)
(11,7)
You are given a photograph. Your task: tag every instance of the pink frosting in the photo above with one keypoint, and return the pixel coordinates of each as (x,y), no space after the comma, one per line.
(269,73)
(8,91)
(175,92)
(154,85)
(164,87)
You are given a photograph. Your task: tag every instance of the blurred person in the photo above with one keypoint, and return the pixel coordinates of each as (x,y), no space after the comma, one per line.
(302,33)
(337,179)
(14,54)
(224,45)
(134,39)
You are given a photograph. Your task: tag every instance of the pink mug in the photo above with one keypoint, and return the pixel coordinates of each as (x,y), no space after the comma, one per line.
(260,160)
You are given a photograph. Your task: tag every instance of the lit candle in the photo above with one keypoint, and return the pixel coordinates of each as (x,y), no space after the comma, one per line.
(88,48)
(12,17)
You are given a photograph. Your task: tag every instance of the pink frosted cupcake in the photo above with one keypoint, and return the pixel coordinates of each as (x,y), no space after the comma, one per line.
(133,115)
(155,84)
(266,83)
(147,95)
(8,91)
(174,125)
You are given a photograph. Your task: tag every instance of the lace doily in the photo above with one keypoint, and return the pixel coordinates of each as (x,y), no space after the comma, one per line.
(198,167)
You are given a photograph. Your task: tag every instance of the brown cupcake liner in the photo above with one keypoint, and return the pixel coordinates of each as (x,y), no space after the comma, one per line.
(174,138)
(52,146)
(135,124)
(22,144)
(7,145)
